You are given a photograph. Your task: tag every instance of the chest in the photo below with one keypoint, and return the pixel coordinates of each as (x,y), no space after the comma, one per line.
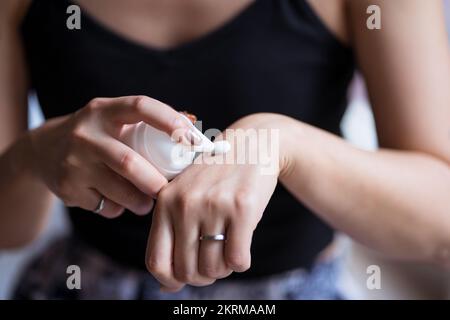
(163,24)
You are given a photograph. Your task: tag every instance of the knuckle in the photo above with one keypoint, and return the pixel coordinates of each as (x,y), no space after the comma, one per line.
(217,202)
(238,262)
(185,201)
(128,162)
(78,136)
(94,104)
(91,109)
(187,207)
(141,103)
(194,195)
(155,267)
(243,202)
(184,275)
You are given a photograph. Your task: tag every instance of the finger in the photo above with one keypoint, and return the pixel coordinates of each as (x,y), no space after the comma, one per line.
(111,210)
(159,259)
(211,261)
(89,199)
(186,254)
(133,109)
(237,246)
(130,165)
(121,191)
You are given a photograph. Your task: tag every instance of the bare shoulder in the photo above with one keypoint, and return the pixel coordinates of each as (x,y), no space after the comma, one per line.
(13,11)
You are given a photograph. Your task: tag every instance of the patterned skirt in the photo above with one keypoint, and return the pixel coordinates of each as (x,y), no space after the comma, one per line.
(47,277)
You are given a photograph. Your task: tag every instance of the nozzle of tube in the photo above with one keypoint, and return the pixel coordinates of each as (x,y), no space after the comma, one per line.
(207,145)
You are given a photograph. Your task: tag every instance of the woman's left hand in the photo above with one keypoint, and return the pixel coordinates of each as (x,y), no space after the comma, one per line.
(208,199)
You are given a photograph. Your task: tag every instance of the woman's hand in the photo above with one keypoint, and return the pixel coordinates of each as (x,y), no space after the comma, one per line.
(80,158)
(211,198)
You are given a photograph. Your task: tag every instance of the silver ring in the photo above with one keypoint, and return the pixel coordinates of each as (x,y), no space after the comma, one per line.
(100,205)
(214,237)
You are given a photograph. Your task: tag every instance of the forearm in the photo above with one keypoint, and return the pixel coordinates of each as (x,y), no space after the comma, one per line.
(395,202)
(25,201)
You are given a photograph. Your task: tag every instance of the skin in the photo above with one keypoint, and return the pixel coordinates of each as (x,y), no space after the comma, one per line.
(399,194)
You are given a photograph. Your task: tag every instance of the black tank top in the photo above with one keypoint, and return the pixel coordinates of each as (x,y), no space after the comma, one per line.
(274,56)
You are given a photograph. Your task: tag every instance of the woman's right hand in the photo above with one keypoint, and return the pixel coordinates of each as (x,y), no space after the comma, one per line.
(81,159)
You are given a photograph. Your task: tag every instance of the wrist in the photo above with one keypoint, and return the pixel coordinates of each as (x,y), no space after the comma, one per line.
(34,146)
(20,157)
(275,135)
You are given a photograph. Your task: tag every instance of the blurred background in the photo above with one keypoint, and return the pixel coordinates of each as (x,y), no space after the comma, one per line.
(398,280)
